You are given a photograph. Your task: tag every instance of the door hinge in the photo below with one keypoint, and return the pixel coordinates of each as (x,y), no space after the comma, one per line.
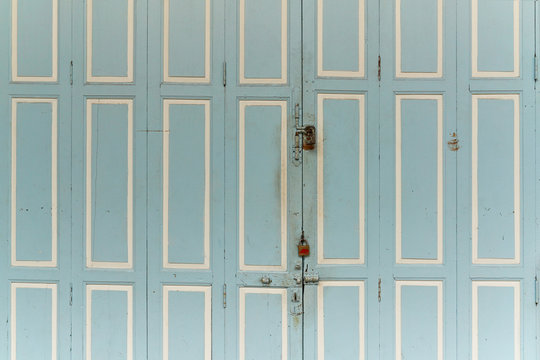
(224,73)
(536,291)
(379,292)
(71,72)
(379,69)
(224,296)
(535,68)
(70,294)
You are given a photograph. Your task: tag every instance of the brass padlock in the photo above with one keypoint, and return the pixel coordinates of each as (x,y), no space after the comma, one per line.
(303,247)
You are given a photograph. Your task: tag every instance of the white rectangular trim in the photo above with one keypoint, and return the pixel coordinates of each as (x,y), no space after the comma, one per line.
(89,47)
(399,71)
(166,40)
(474,45)
(166,154)
(207,291)
(54,314)
(241,45)
(241,184)
(516,285)
(320,314)
(440,186)
(361,45)
(440,314)
(128,289)
(14,46)
(243,291)
(129,231)
(54,183)
(474,176)
(321,259)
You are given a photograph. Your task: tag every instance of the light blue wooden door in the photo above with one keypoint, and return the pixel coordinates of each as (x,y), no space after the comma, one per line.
(108,122)
(35,265)
(185,180)
(495,102)
(263,181)
(340,176)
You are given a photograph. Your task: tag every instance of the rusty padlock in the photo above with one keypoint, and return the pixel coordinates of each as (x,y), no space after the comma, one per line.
(303,247)
(309,140)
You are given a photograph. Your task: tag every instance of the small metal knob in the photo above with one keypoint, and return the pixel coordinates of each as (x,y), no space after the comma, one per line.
(266,280)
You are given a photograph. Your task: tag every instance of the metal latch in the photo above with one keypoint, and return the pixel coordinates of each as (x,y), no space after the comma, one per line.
(309,135)
(311,278)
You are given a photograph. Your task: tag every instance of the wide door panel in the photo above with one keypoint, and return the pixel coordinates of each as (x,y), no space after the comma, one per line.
(109,180)
(418,165)
(495,242)
(262,179)
(185,189)
(35,166)
(340,176)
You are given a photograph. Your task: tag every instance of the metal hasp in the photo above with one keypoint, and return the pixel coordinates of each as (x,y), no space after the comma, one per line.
(309,135)
(311,278)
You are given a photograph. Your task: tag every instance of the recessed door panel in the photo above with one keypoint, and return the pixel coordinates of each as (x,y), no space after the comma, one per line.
(109,183)
(495,38)
(34,40)
(419,19)
(34,184)
(109,40)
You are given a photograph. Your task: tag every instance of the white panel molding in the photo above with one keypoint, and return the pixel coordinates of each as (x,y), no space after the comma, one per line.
(242,55)
(15,77)
(89,47)
(361,45)
(243,291)
(90,263)
(517,189)
(440,314)
(440,186)
(475,44)
(128,289)
(440,45)
(320,314)
(207,291)
(166,41)
(321,259)
(54,314)
(516,286)
(166,156)
(54,183)
(241,184)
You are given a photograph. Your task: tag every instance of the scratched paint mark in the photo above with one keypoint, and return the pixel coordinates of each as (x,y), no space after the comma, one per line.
(453,144)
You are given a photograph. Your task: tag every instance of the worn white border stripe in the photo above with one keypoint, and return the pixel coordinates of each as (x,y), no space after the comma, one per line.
(440,187)
(54,183)
(128,289)
(129,231)
(166,55)
(241,184)
(89,46)
(207,291)
(14,46)
(439,73)
(242,45)
(516,286)
(321,259)
(475,44)
(517,189)
(361,44)
(321,314)
(242,318)
(440,314)
(166,155)
(54,315)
